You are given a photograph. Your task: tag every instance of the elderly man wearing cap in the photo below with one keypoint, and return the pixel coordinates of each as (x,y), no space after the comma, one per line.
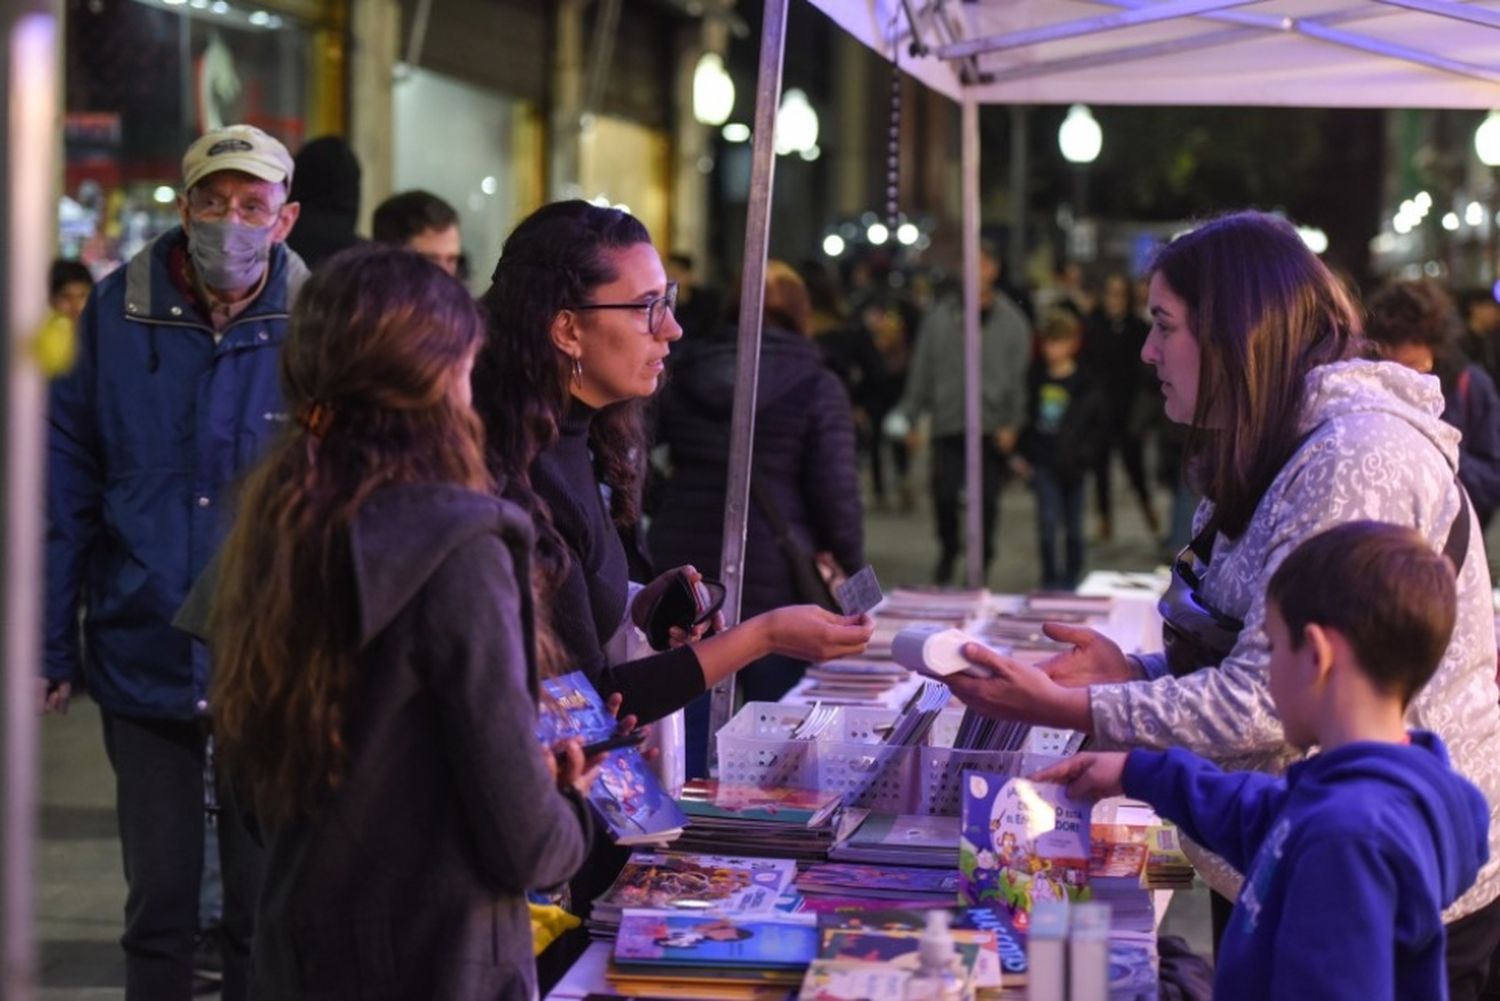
(174,394)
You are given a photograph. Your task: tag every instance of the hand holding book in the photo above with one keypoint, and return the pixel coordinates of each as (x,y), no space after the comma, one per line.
(1089,775)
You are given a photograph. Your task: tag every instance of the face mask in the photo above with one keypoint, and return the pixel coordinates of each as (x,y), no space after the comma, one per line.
(227,254)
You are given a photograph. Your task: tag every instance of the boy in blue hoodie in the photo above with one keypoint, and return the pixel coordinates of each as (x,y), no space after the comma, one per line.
(1352,855)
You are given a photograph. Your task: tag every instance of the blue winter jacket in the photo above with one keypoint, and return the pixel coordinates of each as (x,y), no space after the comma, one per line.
(146,434)
(1349,861)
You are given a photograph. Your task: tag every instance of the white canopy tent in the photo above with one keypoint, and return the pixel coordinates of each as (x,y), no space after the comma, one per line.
(1302,53)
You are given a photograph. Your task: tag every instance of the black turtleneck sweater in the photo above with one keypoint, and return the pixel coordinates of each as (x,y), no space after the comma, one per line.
(589,605)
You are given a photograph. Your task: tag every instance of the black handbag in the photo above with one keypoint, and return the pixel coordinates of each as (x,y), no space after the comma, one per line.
(807,579)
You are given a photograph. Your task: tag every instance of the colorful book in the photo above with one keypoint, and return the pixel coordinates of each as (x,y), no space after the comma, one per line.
(878,881)
(1022,843)
(890,934)
(627,795)
(785,805)
(676,938)
(702,883)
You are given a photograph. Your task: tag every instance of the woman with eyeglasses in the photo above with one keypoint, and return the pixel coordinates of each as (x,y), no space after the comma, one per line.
(580,328)
(1260,352)
(805,488)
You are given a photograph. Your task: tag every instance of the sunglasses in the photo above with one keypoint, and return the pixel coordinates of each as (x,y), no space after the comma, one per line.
(1194,634)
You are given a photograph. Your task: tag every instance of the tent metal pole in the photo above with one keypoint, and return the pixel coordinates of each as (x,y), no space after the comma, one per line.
(747,372)
(973,454)
(31,67)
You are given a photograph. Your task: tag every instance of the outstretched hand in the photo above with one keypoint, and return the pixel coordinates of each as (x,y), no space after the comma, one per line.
(1095,659)
(1017,691)
(815,634)
(1089,775)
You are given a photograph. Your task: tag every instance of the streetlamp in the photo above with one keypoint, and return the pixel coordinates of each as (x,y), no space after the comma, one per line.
(1487,140)
(1487,148)
(713,90)
(1080,139)
(796,124)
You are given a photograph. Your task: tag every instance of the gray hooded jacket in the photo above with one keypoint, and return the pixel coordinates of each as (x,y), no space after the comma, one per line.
(1376,449)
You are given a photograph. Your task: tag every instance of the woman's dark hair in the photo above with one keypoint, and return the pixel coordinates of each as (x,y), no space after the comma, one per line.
(555,258)
(375,343)
(1414,312)
(1265,312)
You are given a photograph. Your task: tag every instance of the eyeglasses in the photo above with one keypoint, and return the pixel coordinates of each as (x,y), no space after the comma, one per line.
(253,211)
(657,307)
(1194,634)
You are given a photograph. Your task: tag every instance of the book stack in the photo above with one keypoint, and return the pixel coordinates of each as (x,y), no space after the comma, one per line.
(674,953)
(860,681)
(869,955)
(837,885)
(700,884)
(790,823)
(906,606)
(901,839)
(627,796)
(1167,866)
(977,732)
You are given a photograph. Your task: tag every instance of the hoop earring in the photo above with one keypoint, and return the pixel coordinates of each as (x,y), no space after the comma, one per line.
(578,372)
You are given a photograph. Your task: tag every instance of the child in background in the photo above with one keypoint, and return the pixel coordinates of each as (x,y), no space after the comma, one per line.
(1351,857)
(1064,435)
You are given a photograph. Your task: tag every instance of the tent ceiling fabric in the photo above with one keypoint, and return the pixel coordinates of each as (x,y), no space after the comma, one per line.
(1303,53)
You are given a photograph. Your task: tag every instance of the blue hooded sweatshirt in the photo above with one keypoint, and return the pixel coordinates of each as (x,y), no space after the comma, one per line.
(1350,859)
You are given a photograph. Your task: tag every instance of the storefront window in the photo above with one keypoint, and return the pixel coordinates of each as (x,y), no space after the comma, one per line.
(143,79)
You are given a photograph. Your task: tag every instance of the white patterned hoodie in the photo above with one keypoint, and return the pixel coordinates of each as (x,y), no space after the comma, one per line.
(1375,449)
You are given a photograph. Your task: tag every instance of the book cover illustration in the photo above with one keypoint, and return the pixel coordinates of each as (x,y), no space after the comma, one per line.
(1002,950)
(878,879)
(677,938)
(627,795)
(715,883)
(846,980)
(805,807)
(1022,843)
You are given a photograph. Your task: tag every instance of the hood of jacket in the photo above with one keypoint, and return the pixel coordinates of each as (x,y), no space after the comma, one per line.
(327,179)
(1379,390)
(403,533)
(1452,813)
(704,374)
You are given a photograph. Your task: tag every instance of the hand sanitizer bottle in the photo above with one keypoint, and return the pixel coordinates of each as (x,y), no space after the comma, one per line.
(937,977)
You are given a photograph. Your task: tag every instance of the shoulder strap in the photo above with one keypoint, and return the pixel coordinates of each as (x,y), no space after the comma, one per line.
(1457,546)
(768,508)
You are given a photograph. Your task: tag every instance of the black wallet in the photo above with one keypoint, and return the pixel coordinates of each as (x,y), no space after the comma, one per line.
(685,606)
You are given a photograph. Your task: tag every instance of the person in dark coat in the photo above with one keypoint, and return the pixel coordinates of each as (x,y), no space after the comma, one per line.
(1414,323)
(375,701)
(1113,337)
(327,184)
(804,464)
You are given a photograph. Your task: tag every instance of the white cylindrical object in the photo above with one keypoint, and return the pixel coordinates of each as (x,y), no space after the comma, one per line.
(1088,953)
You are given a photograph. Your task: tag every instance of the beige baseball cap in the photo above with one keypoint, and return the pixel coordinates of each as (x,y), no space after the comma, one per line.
(237,147)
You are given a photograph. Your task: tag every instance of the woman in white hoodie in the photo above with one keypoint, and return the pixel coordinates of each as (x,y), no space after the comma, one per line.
(1258,349)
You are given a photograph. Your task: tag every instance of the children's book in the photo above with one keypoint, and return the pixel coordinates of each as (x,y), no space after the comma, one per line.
(701,883)
(627,795)
(677,938)
(878,880)
(1022,842)
(784,805)
(889,934)
(847,980)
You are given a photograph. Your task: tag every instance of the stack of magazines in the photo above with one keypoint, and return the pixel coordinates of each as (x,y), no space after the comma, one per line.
(701,884)
(789,823)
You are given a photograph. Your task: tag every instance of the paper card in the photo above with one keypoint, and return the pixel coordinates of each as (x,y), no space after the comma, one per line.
(860,593)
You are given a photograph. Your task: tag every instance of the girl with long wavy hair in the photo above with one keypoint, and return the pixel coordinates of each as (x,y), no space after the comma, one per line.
(580,327)
(376,682)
